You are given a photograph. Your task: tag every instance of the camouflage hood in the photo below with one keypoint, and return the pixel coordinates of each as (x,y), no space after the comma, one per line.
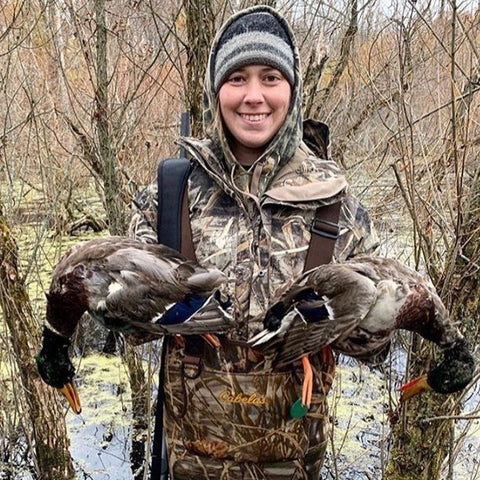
(278,164)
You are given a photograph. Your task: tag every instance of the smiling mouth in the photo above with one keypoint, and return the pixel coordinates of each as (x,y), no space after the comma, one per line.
(254,117)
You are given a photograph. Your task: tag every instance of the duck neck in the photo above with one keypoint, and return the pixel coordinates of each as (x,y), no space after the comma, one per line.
(63,314)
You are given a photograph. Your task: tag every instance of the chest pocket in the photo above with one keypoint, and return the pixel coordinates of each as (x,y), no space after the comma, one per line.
(244,416)
(214,222)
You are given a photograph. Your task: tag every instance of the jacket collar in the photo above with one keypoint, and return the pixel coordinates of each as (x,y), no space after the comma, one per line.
(306,178)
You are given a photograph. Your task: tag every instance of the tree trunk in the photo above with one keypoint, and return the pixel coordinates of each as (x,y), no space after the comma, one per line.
(45,414)
(116,209)
(114,204)
(200,23)
(425,437)
(420,446)
(140,425)
(343,57)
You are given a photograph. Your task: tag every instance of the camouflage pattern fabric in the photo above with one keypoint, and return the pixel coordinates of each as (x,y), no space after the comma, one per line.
(226,417)
(236,425)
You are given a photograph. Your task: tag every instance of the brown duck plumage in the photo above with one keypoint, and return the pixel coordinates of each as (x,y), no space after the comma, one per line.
(144,291)
(355,307)
(128,285)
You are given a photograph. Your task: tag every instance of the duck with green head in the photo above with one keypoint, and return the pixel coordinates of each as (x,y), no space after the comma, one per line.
(142,290)
(354,307)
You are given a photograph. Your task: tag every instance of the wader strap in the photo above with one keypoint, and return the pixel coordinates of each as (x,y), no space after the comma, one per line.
(173,230)
(324,233)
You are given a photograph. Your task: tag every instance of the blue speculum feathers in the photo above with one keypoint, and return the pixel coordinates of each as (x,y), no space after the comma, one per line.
(354,307)
(182,311)
(147,291)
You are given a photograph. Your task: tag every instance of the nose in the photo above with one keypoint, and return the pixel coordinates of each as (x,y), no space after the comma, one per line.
(253,92)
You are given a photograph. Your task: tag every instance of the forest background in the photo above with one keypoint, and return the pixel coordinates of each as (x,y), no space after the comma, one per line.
(91,95)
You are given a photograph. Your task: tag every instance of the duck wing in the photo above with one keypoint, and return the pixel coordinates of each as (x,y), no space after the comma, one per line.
(129,286)
(419,309)
(326,304)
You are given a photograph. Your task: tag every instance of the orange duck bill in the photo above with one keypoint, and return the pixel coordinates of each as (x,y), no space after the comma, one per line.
(415,387)
(71,394)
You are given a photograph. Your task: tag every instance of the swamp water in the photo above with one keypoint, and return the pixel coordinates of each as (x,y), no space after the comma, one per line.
(360,401)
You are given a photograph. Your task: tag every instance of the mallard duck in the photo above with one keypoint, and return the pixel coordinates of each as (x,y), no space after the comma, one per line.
(354,307)
(142,290)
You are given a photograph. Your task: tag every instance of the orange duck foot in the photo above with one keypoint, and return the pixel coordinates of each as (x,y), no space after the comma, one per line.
(212,340)
(328,368)
(179,340)
(307,387)
(300,407)
(208,337)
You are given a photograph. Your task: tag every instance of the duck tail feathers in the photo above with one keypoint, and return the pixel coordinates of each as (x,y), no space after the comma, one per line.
(262,337)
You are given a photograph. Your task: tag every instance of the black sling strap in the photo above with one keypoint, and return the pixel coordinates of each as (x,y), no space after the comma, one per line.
(159,466)
(173,224)
(173,230)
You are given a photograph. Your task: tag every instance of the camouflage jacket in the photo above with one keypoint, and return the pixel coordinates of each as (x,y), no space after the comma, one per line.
(260,242)
(227,417)
(213,420)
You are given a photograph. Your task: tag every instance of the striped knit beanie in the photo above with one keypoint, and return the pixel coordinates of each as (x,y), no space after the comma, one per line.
(255,38)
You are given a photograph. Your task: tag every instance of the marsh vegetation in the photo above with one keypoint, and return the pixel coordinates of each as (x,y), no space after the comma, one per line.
(91,97)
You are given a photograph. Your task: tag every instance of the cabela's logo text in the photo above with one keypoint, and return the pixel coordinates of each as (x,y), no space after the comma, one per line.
(225,396)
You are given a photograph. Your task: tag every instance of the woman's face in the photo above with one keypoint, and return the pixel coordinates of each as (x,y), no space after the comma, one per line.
(254,102)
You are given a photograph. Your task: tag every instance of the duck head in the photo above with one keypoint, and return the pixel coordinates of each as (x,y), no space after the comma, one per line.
(452,375)
(273,317)
(55,366)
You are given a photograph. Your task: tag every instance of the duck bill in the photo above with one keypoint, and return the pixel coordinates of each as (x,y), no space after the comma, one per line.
(415,387)
(71,394)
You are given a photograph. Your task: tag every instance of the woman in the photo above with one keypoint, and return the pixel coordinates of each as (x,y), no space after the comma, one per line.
(257,179)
